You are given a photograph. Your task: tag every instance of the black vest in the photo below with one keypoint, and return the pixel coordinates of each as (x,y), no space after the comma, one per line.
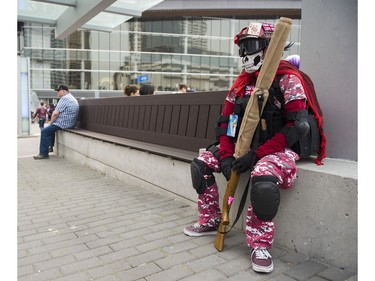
(272,114)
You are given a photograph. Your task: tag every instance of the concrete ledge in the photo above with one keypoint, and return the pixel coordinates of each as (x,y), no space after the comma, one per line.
(175,153)
(317,217)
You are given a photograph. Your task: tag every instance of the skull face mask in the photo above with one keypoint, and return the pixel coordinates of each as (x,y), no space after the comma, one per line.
(253,62)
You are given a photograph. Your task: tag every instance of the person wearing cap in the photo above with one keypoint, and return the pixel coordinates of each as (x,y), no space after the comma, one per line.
(65,116)
(272,156)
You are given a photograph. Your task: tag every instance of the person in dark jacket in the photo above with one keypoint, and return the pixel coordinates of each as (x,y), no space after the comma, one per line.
(146,89)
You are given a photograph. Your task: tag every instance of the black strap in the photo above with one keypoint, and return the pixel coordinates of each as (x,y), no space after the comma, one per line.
(222,119)
(241,206)
(218,130)
(214,149)
(255,143)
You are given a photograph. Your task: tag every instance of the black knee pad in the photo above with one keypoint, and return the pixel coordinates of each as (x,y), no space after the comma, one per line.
(265,197)
(198,170)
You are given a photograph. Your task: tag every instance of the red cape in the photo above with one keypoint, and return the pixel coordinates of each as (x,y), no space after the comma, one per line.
(312,103)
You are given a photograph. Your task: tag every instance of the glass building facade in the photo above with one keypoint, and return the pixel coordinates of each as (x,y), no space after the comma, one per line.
(197,51)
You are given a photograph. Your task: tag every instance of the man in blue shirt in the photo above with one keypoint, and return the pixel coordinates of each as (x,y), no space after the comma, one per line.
(65,116)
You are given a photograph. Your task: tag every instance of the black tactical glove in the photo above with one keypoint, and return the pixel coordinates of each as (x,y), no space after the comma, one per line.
(226,166)
(245,162)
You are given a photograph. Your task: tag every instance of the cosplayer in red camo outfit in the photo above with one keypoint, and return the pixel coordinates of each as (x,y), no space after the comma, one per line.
(291,101)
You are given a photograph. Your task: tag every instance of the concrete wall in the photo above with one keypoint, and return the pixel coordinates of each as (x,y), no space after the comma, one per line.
(329,55)
(317,217)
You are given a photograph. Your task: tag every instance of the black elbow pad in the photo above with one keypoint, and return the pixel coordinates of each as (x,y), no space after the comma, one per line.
(300,129)
(302,123)
(304,136)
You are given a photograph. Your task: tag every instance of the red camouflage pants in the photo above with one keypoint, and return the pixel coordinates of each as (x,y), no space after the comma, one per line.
(281,165)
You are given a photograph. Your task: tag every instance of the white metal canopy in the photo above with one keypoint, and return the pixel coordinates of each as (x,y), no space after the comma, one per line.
(69,15)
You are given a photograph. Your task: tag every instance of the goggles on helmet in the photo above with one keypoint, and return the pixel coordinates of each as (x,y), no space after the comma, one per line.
(250,45)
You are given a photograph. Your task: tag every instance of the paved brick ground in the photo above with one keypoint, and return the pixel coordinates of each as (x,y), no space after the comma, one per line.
(77,224)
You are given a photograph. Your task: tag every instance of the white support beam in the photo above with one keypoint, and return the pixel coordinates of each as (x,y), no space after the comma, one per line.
(92,27)
(122,11)
(36,19)
(69,3)
(225,4)
(74,17)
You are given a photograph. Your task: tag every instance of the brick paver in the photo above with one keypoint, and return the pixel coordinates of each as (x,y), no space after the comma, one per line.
(78,224)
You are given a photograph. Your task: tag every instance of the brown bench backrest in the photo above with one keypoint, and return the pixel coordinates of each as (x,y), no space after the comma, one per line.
(186,121)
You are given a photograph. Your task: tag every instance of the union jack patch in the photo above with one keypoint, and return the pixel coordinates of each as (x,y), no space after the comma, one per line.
(249,90)
(268,29)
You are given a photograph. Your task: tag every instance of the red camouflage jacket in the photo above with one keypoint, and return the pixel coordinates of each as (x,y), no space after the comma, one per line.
(299,93)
